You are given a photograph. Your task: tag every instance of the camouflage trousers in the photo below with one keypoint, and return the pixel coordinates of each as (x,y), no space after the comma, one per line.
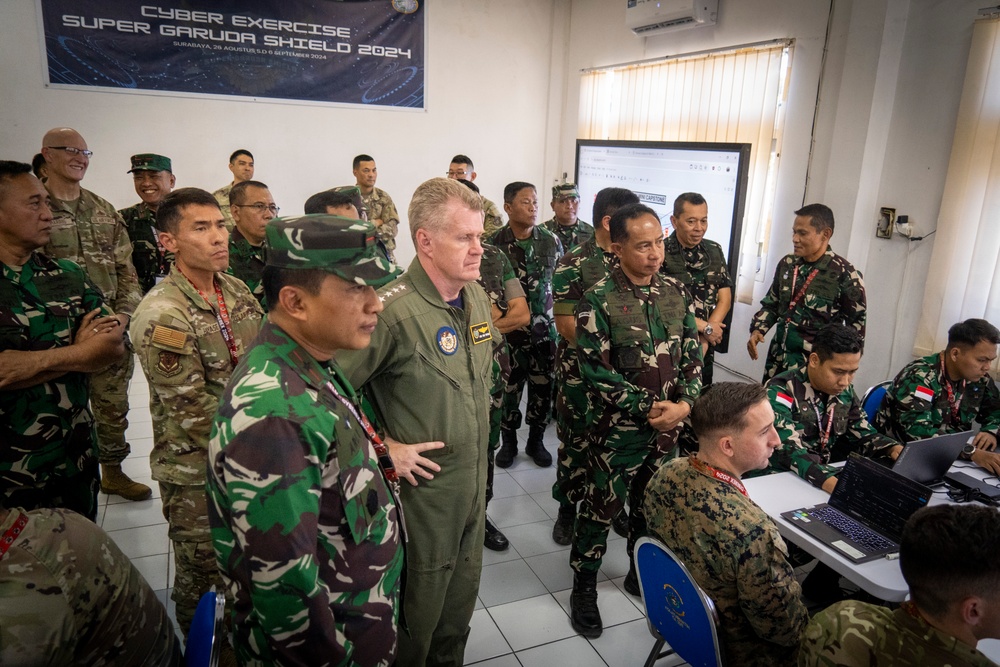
(788,350)
(530,363)
(572,407)
(109,402)
(77,493)
(186,511)
(619,469)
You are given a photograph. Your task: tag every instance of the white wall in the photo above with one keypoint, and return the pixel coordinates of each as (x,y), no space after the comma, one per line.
(487,92)
(888,103)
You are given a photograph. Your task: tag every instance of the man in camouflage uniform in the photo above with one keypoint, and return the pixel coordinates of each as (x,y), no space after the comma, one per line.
(190,331)
(381,212)
(306,530)
(948,391)
(637,347)
(428,375)
(818,416)
(87,230)
(461,168)
(577,271)
(153,180)
(533,252)
(54,329)
(812,287)
(252,207)
(241,165)
(698,507)
(510,312)
(71,597)
(948,558)
(701,265)
(568,228)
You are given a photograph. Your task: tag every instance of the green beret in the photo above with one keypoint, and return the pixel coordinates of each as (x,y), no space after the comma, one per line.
(565,190)
(149,162)
(345,247)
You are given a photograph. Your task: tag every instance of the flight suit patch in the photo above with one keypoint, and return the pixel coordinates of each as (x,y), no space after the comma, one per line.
(447,340)
(480,333)
(168,364)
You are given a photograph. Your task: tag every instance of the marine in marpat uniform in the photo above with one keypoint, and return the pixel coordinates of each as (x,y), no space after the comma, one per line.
(153,178)
(949,391)
(577,271)
(381,211)
(190,331)
(87,230)
(71,597)
(48,307)
(638,350)
(533,252)
(568,228)
(428,375)
(818,416)
(811,288)
(252,206)
(313,512)
(698,507)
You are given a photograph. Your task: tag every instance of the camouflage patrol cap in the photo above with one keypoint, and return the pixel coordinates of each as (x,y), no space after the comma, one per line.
(342,246)
(149,162)
(354,192)
(565,191)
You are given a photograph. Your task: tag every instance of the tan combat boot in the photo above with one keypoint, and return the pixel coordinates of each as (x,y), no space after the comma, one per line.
(116,483)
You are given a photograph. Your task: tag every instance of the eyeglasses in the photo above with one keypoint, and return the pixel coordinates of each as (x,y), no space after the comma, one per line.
(72,150)
(456,174)
(260,208)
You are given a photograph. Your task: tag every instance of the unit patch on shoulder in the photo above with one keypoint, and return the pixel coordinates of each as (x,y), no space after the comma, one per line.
(168,364)
(480,333)
(447,340)
(168,337)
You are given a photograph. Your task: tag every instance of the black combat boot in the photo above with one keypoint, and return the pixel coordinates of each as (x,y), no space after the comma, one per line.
(536,449)
(584,614)
(508,449)
(620,523)
(562,531)
(494,540)
(631,583)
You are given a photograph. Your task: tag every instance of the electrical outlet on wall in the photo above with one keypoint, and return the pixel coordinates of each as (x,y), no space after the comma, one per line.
(886,222)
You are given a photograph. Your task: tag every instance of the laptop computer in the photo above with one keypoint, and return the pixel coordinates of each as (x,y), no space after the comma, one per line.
(926,461)
(866,513)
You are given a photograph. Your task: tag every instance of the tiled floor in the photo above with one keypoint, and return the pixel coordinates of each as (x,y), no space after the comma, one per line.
(522,617)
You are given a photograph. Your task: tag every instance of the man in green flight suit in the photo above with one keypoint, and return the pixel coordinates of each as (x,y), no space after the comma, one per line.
(638,348)
(564,223)
(55,328)
(252,207)
(811,288)
(428,374)
(577,271)
(307,531)
(153,178)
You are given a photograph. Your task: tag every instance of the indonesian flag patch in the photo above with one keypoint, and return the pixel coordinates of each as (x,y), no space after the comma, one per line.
(923,393)
(784,399)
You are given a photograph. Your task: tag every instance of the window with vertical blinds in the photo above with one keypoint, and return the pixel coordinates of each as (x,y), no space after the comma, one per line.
(732,96)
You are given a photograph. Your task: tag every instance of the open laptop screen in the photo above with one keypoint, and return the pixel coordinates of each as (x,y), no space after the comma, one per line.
(876,496)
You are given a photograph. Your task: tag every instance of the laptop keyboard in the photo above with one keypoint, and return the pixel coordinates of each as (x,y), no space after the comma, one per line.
(859,533)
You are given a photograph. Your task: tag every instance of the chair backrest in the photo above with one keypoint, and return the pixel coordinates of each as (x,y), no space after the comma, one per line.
(676,607)
(873,399)
(203,645)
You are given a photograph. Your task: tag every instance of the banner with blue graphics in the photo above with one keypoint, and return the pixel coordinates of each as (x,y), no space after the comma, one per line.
(342,51)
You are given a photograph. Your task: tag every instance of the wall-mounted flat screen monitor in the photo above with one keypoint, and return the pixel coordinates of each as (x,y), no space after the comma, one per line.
(658,171)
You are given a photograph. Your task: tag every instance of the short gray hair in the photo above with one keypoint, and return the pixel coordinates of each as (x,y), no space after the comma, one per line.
(427,207)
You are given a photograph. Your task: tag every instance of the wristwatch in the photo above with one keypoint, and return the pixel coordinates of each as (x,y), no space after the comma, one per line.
(709,330)
(967,451)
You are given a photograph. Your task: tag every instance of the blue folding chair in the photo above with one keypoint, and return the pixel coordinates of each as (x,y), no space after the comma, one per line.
(873,399)
(678,612)
(203,644)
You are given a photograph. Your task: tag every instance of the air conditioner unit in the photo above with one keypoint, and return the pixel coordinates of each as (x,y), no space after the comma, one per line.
(654,17)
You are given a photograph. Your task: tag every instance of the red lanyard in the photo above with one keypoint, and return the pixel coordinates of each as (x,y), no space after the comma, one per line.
(953,404)
(221,316)
(701,466)
(11,533)
(824,436)
(801,293)
(384,460)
